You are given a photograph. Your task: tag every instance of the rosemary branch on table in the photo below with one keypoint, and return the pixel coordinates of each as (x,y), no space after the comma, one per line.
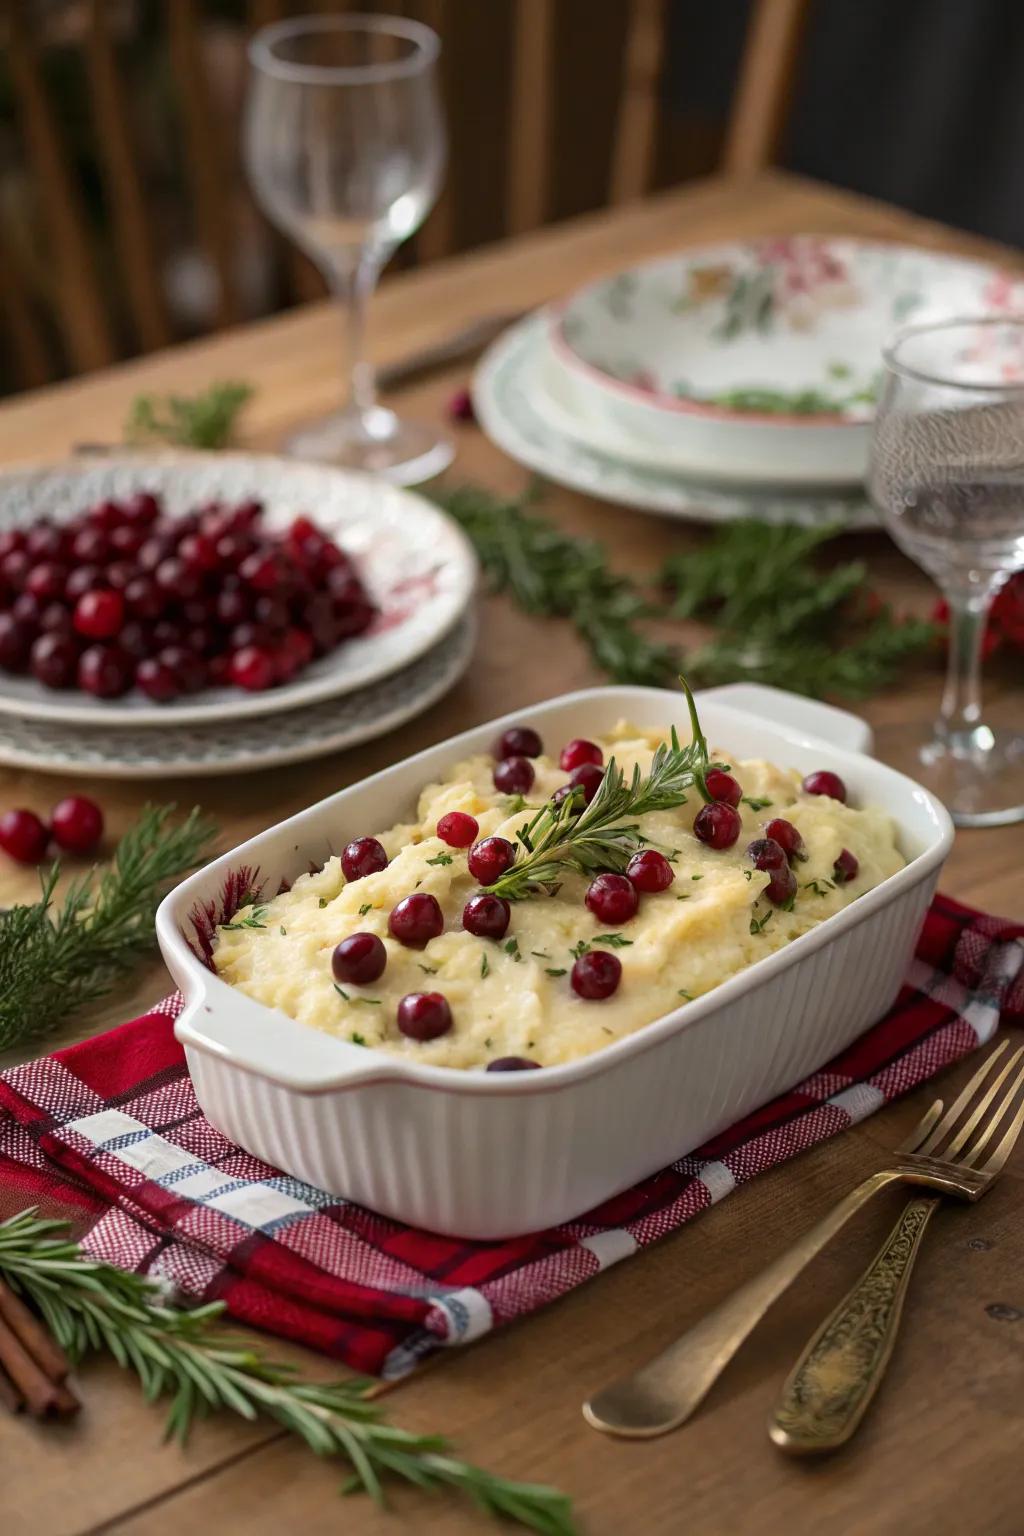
(204,420)
(571,836)
(91,1306)
(54,959)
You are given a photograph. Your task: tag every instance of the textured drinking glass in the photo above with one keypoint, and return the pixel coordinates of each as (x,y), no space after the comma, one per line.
(345,148)
(947,475)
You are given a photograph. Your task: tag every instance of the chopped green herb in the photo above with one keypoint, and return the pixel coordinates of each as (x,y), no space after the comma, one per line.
(540,954)
(284,931)
(514,804)
(341,992)
(748,874)
(613,940)
(758,924)
(489,1044)
(367,906)
(252,921)
(685,896)
(579,948)
(485,968)
(819,887)
(356,1038)
(687,995)
(755,805)
(429,970)
(553,970)
(440,858)
(367,1002)
(512,948)
(606,1030)
(696,877)
(322,902)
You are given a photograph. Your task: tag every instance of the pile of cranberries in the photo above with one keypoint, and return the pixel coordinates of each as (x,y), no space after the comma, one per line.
(125,596)
(75,825)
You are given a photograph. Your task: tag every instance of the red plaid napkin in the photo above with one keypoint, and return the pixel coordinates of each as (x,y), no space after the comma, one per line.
(111,1128)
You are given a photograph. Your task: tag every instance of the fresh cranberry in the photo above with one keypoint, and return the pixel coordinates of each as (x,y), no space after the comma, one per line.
(10,540)
(513,775)
(47,579)
(718,825)
(144,598)
(141,509)
(564,791)
(233,606)
(168,632)
(613,899)
(220,669)
(786,835)
(579,751)
(722,786)
(649,870)
(99,614)
(27,609)
(331,558)
(90,545)
(15,642)
(135,640)
(44,542)
(76,824)
(359,959)
(246,513)
(781,887)
(154,552)
(588,777)
(485,916)
(352,617)
(244,635)
(596,975)
(271,611)
(14,567)
(296,651)
(344,585)
(232,549)
(105,671)
(518,741)
(252,669)
(54,661)
(55,620)
(84,578)
(199,552)
(23,836)
(424,1015)
(825,782)
(303,531)
(512,1064)
(845,867)
(766,853)
(177,579)
(460,408)
(489,859)
(156,680)
(127,542)
(457,829)
(416,919)
(106,515)
(261,570)
(185,665)
(363,857)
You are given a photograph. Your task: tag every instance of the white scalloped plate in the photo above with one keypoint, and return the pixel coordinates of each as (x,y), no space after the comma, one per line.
(416,562)
(312,730)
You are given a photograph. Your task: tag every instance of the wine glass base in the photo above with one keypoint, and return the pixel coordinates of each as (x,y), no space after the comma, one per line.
(377,442)
(978,775)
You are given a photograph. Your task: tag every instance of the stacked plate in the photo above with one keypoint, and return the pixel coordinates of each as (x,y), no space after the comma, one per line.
(729,381)
(417,564)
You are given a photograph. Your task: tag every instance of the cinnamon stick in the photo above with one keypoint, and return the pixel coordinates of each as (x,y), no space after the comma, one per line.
(44,1398)
(33,1334)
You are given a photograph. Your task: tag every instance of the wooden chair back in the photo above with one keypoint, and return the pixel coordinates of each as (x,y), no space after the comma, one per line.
(78,308)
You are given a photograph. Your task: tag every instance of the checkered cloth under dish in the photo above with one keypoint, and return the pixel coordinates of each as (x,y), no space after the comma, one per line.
(110,1131)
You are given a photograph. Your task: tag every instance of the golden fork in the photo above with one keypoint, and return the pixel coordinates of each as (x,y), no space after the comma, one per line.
(832,1384)
(664,1393)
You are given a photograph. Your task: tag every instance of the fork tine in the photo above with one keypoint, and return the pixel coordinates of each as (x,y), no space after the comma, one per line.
(971,1160)
(922,1128)
(998,1159)
(968,1126)
(960,1103)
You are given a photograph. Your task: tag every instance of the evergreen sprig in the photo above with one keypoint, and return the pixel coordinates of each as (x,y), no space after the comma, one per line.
(54,959)
(205,420)
(571,836)
(91,1306)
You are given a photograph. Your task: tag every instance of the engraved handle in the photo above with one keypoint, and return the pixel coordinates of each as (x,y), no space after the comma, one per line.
(664,1393)
(829,1389)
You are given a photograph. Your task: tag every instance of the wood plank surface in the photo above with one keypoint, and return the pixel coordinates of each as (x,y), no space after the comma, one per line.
(941,1450)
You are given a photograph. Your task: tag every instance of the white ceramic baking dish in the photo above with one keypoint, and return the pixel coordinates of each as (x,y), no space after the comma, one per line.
(484,1155)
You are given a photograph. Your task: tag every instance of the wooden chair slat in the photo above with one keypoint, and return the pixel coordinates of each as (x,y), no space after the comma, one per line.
(77,295)
(131,224)
(764,89)
(204,158)
(23,337)
(530,138)
(633,151)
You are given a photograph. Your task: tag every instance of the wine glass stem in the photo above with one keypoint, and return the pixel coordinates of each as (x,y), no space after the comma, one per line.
(961,698)
(353,284)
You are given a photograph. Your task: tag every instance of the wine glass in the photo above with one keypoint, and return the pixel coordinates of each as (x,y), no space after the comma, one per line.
(947,475)
(345,148)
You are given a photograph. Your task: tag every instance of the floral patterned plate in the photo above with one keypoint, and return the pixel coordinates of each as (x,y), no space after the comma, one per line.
(757,360)
(514,410)
(418,565)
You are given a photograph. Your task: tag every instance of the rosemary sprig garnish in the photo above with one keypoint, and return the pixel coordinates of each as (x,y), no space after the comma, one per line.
(604,834)
(205,420)
(55,959)
(91,1306)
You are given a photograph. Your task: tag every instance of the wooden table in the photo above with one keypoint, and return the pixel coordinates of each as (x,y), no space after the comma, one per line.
(942,1450)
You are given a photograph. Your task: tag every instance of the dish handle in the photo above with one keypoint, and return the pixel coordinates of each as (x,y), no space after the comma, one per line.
(836,726)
